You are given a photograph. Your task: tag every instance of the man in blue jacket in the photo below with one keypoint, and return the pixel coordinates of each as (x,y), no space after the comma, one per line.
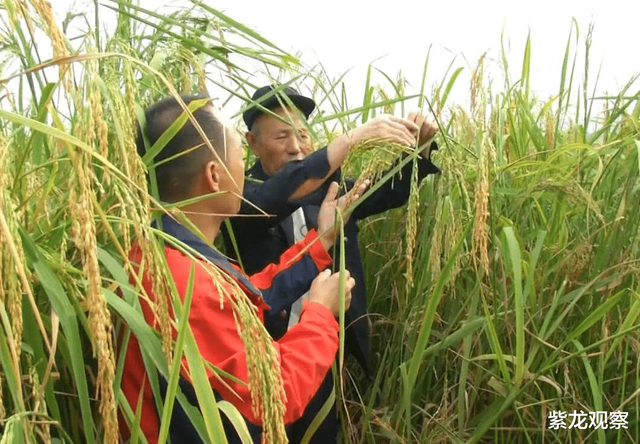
(288,183)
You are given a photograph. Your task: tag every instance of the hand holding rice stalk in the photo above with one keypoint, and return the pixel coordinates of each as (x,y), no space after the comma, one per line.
(404,136)
(335,211)
(333,215)
(385,139)
(426,130)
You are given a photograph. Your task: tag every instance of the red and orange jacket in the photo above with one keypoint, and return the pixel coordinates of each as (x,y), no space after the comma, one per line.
(306,351)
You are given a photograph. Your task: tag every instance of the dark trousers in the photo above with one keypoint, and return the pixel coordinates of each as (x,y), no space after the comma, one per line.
(327,433)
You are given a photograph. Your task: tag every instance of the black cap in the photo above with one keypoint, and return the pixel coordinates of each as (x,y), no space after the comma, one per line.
(304,104)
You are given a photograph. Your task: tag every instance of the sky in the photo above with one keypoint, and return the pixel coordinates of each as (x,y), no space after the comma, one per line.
(397,35)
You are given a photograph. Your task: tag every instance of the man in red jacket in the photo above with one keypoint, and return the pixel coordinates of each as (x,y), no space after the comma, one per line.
(190,169)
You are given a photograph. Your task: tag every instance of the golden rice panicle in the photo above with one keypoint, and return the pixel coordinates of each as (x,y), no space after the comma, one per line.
(185,70)
(452,235)
(12,262)
(481,209)
(435,248)
(134,199)
(184,77)
(477,92)
(137,168)
(138,207)
(389,107)
(550,129)
(121,189)
(19,8)
(130,88)
(97,116)
(381,154)
(412,224)
(14,290)
(447,228)
(263,362)
(153,264)
(465,123)
(202,79)
(485,155)
(60,50)
(160,306)
(400,85)
(375,156)
(84,234)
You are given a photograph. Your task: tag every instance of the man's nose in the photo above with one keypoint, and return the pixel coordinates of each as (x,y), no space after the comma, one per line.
(294,146)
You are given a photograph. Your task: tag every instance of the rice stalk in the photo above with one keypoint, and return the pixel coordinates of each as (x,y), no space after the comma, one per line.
(3,411)
(586,204)
(83,231)
(374,156)
(263,362)
(39,403)
(412,224)
(5,259)
(13,8)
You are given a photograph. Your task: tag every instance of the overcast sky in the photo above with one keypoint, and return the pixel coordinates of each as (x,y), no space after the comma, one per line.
(345,35)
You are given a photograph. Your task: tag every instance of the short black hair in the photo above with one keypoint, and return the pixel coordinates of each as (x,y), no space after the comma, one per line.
(175,177)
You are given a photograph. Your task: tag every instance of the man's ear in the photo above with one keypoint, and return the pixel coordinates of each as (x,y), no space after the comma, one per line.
(251,141)
(212,173)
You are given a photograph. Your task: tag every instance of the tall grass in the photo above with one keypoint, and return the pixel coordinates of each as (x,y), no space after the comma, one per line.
(525,296)
(528,297)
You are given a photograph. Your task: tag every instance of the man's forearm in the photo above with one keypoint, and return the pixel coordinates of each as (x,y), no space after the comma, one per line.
(337,152)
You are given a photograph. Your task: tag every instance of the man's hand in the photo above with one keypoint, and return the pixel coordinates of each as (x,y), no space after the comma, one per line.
(386,127)
(426,132)
(325,289)
(331,205)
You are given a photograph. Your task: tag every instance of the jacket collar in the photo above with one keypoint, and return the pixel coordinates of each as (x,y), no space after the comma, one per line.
(183,234)
(257,172)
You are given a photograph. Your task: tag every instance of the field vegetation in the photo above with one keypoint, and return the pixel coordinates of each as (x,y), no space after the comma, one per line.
(510,289)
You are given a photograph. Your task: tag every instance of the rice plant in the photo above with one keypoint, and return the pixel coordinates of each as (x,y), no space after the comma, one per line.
(524,252)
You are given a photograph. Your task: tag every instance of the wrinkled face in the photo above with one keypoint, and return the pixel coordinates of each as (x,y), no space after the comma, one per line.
(278,142)
(232,179)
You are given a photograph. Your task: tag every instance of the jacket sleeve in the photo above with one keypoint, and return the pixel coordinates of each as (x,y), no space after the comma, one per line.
(305,353)
(272,195)
(394,192)
(283,283)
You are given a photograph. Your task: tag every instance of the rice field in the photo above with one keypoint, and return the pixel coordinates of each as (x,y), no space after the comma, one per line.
(512,305)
